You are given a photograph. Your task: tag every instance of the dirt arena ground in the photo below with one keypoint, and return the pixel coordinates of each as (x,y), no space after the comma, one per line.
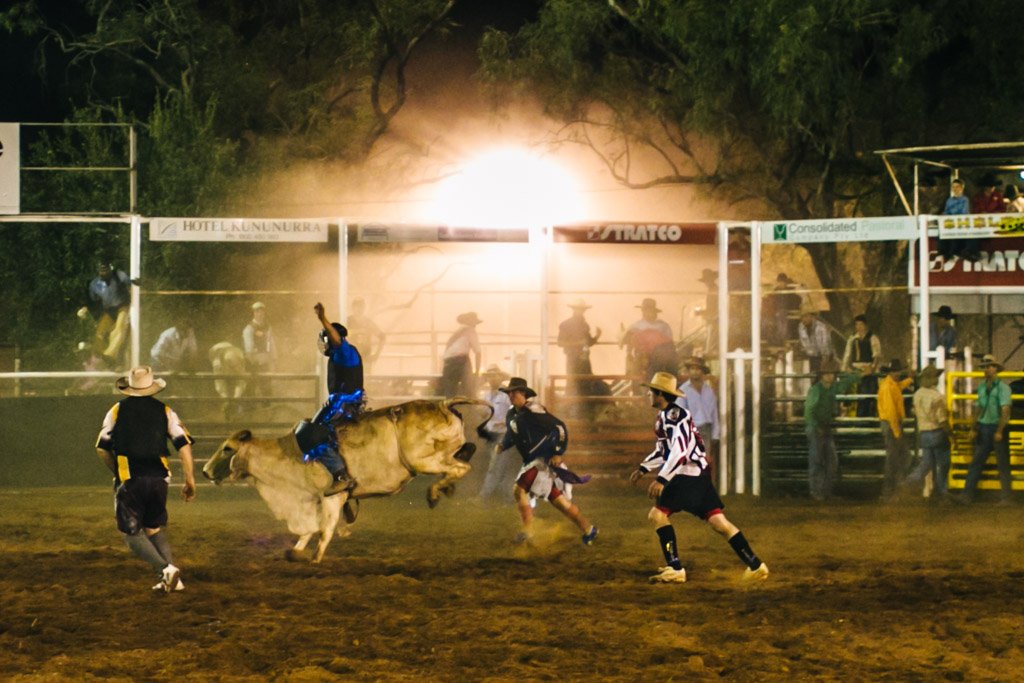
(858,592)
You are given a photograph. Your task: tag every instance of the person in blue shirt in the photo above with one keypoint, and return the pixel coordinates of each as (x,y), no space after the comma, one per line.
(345,400)
(956,203)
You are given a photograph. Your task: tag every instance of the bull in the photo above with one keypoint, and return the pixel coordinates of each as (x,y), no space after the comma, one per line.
(383,450)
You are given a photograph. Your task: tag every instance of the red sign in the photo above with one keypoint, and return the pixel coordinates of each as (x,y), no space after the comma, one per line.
(1001,264)
(638,233)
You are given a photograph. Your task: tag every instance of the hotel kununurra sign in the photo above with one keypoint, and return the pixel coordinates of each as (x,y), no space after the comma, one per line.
(237,230)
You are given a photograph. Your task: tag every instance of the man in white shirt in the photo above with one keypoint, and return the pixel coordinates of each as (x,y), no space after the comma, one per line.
(175,349)
(459,370)
(701,401)
(501,471)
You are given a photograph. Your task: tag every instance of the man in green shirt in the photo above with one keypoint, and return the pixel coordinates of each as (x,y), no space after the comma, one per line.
(990,430)
(819,415)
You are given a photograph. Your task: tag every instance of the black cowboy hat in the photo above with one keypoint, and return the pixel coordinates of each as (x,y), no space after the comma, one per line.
(945,312)
(518,384)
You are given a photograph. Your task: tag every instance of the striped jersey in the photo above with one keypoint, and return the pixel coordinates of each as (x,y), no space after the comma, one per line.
(679,449)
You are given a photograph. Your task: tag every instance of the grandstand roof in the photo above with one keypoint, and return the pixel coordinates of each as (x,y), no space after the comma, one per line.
(1007,156)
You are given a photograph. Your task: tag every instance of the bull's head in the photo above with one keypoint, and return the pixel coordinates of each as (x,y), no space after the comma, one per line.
(222,464)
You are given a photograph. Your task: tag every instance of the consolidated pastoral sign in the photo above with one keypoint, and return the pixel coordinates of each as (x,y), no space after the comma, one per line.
(839,230)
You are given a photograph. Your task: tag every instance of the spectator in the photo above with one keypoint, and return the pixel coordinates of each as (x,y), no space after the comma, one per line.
(228,359)
(501,471)
(1014,200)
(109,298)
(709,278)
(648,342)
(575,340)
(891,414)
(993,404)
(459,371)
(933,434)
(863,353)
(943,333)
(956,203)
(785,300)
(260,349)
(819,422)
(700,399)
(814,338)
(988,199)
(364,334)
(175,349)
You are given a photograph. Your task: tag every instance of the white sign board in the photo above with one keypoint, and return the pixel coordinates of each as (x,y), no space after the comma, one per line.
(237,230)
(10,168)
(980,226)
(839,230)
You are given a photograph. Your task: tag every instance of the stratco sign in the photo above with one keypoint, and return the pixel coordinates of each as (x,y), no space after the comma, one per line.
(236,230)
(974,226)
(638,233)
(840,230)
(10,168)
(1001,264)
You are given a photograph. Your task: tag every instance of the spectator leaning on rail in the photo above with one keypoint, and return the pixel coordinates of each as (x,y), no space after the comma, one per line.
(891,413)
(684,484)
(814,338)
(993,405)
(933,433)
(109,299)
(863,353)
(133,444)
(819,419)
(176,349)
(942,332)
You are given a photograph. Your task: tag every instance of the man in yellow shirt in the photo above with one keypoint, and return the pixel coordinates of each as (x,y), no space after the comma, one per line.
(891,414)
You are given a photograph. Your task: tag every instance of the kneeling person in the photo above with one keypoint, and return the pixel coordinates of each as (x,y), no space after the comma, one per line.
(540,438)
(133,444)
(684,483)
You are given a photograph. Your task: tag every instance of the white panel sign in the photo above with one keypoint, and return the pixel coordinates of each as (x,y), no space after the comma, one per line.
(10,168)
(839,230)
(237,230)
(980,225)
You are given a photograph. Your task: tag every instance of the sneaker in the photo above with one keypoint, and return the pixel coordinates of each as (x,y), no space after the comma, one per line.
(759,574)
(180,586)
(669,575)
(169,578)
(588,538)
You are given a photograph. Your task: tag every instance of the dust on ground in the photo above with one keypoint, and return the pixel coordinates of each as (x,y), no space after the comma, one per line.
(857,591)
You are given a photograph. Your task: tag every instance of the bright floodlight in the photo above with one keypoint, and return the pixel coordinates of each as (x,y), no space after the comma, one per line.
(507,188)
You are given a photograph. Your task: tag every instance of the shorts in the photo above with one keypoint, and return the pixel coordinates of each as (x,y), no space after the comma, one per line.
(696,495)
(141,503)
(537,479)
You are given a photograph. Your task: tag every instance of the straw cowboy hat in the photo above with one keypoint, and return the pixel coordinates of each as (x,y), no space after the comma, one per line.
(945,312)
(988,359)
(468,319)
(518,384)
(140,382)
(698,362)
(258,305)
(649,304)
(663,381)
(579,304)
(929,375)
(494,371)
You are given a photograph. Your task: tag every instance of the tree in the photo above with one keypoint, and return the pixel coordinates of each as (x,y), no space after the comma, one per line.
(778,103)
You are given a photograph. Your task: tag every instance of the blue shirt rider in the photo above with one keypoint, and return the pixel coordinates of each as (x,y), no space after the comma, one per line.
(344,402)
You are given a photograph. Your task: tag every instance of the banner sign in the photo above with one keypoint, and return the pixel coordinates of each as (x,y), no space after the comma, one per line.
(397,233)
(979,225)
(839,230)
(236,230)
(638,233)
(10,168)
(1001,265)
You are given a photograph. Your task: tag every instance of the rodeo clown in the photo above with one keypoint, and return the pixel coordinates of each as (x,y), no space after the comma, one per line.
(133,444)
(684,483)
(540,438)
(317,438)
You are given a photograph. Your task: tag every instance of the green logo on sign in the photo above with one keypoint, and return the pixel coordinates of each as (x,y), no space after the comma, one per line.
(780,232)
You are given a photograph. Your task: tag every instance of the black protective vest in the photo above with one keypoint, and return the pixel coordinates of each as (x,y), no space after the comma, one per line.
(140,434)
(342,380)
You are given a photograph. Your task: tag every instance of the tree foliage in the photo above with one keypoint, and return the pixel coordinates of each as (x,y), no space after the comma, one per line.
(780,102)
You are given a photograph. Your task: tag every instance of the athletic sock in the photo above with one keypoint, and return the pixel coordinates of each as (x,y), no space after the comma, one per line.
(144,549)
(163,546)
(742,548)
(667,539)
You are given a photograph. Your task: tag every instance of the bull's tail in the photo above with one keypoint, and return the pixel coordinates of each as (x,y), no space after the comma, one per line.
(464,401)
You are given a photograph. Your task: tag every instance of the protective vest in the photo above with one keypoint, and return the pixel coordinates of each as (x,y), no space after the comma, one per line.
(140,437)
(341,379)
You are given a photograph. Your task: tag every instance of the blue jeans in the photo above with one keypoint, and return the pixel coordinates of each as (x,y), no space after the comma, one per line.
(934,458)
(822,462)
(985,443)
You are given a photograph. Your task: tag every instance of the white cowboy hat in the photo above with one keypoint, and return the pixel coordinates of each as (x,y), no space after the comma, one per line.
(140,382)
(663,381)
(988,359)
(579,303)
